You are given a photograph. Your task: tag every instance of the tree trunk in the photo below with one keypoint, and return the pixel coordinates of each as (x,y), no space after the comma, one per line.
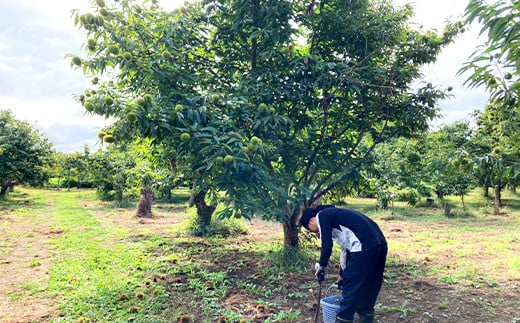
(486,191)
(447,210)
(497,202)
(7,187)
(204,211)
(429,201)
(4,189)
(144,208)
(290,231)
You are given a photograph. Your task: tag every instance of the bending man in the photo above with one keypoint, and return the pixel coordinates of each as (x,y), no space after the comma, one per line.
(363,257)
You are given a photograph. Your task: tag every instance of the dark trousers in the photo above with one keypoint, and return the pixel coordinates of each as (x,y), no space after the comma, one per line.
(362,280)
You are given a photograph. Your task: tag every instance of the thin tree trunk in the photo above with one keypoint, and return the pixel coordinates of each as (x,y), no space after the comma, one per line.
(497,202)
(204,211)
(447,210)
(144,208)
(486,191)
(290,231)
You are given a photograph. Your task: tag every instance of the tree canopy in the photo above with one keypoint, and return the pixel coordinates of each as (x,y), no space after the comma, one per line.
(24,153)
(274,103)
(495,66)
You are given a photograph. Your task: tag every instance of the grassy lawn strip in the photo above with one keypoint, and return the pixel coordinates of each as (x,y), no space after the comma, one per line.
(100,274)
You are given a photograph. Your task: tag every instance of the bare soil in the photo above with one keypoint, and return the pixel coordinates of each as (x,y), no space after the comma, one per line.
(25,259)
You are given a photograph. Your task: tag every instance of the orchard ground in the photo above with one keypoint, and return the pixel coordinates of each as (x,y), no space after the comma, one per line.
(463,269)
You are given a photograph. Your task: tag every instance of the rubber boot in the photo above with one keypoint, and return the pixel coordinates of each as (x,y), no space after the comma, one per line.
(366,318)
(340,320)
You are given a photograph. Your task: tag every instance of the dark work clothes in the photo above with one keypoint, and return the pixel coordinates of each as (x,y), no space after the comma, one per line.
(351,229)
(363,256)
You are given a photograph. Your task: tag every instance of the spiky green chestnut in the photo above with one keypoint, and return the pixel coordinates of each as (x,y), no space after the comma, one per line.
(113,49)
(255,140)
(185,137)
(100,3)
(131,117)
(166,55)
(127,56)
(178,108)
(76,60)
(140,101)
(91,44)
(228,159)
(89,106)
(109,100)
(109,139)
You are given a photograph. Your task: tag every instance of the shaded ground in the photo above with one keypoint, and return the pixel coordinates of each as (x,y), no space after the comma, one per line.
(407,296)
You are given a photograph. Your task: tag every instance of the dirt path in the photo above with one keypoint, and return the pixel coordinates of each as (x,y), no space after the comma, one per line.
(24,263)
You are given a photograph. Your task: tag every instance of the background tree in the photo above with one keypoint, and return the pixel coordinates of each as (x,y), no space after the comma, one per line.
(459,173)
(24,153)
(498,158)
(443,150)
(397,170)
(56,169)
(272,103)
(496,67)
(110,170)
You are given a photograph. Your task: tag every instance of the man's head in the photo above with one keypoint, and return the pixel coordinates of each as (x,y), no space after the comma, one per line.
(308,219)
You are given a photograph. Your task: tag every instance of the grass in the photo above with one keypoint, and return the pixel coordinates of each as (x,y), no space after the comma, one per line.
(102,272)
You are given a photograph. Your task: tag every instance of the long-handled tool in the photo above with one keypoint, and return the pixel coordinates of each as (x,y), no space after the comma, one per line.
(318,303)
(321,277)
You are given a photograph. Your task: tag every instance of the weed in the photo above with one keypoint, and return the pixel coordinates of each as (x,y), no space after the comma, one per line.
(448,279)
(404,310)
(34,263)
(443,304)
(284,316)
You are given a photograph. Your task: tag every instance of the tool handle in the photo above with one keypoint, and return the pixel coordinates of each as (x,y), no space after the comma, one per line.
(318,305)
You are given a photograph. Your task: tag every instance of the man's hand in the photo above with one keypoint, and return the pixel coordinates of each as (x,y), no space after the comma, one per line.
(320,273)
(340,280)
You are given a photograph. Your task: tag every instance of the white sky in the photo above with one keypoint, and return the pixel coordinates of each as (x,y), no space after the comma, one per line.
(37,83)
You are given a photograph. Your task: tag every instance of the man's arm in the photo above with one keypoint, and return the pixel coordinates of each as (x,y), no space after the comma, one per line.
(325,226)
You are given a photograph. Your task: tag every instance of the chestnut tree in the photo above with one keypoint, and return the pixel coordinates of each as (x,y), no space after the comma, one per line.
(266,105)
(25,153)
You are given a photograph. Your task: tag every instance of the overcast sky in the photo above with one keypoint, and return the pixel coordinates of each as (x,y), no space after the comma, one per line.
(37,83)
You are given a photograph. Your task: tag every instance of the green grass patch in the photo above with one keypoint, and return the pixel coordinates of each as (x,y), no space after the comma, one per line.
(104,272)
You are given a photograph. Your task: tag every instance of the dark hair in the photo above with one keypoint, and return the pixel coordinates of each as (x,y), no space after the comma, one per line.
(310,213)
